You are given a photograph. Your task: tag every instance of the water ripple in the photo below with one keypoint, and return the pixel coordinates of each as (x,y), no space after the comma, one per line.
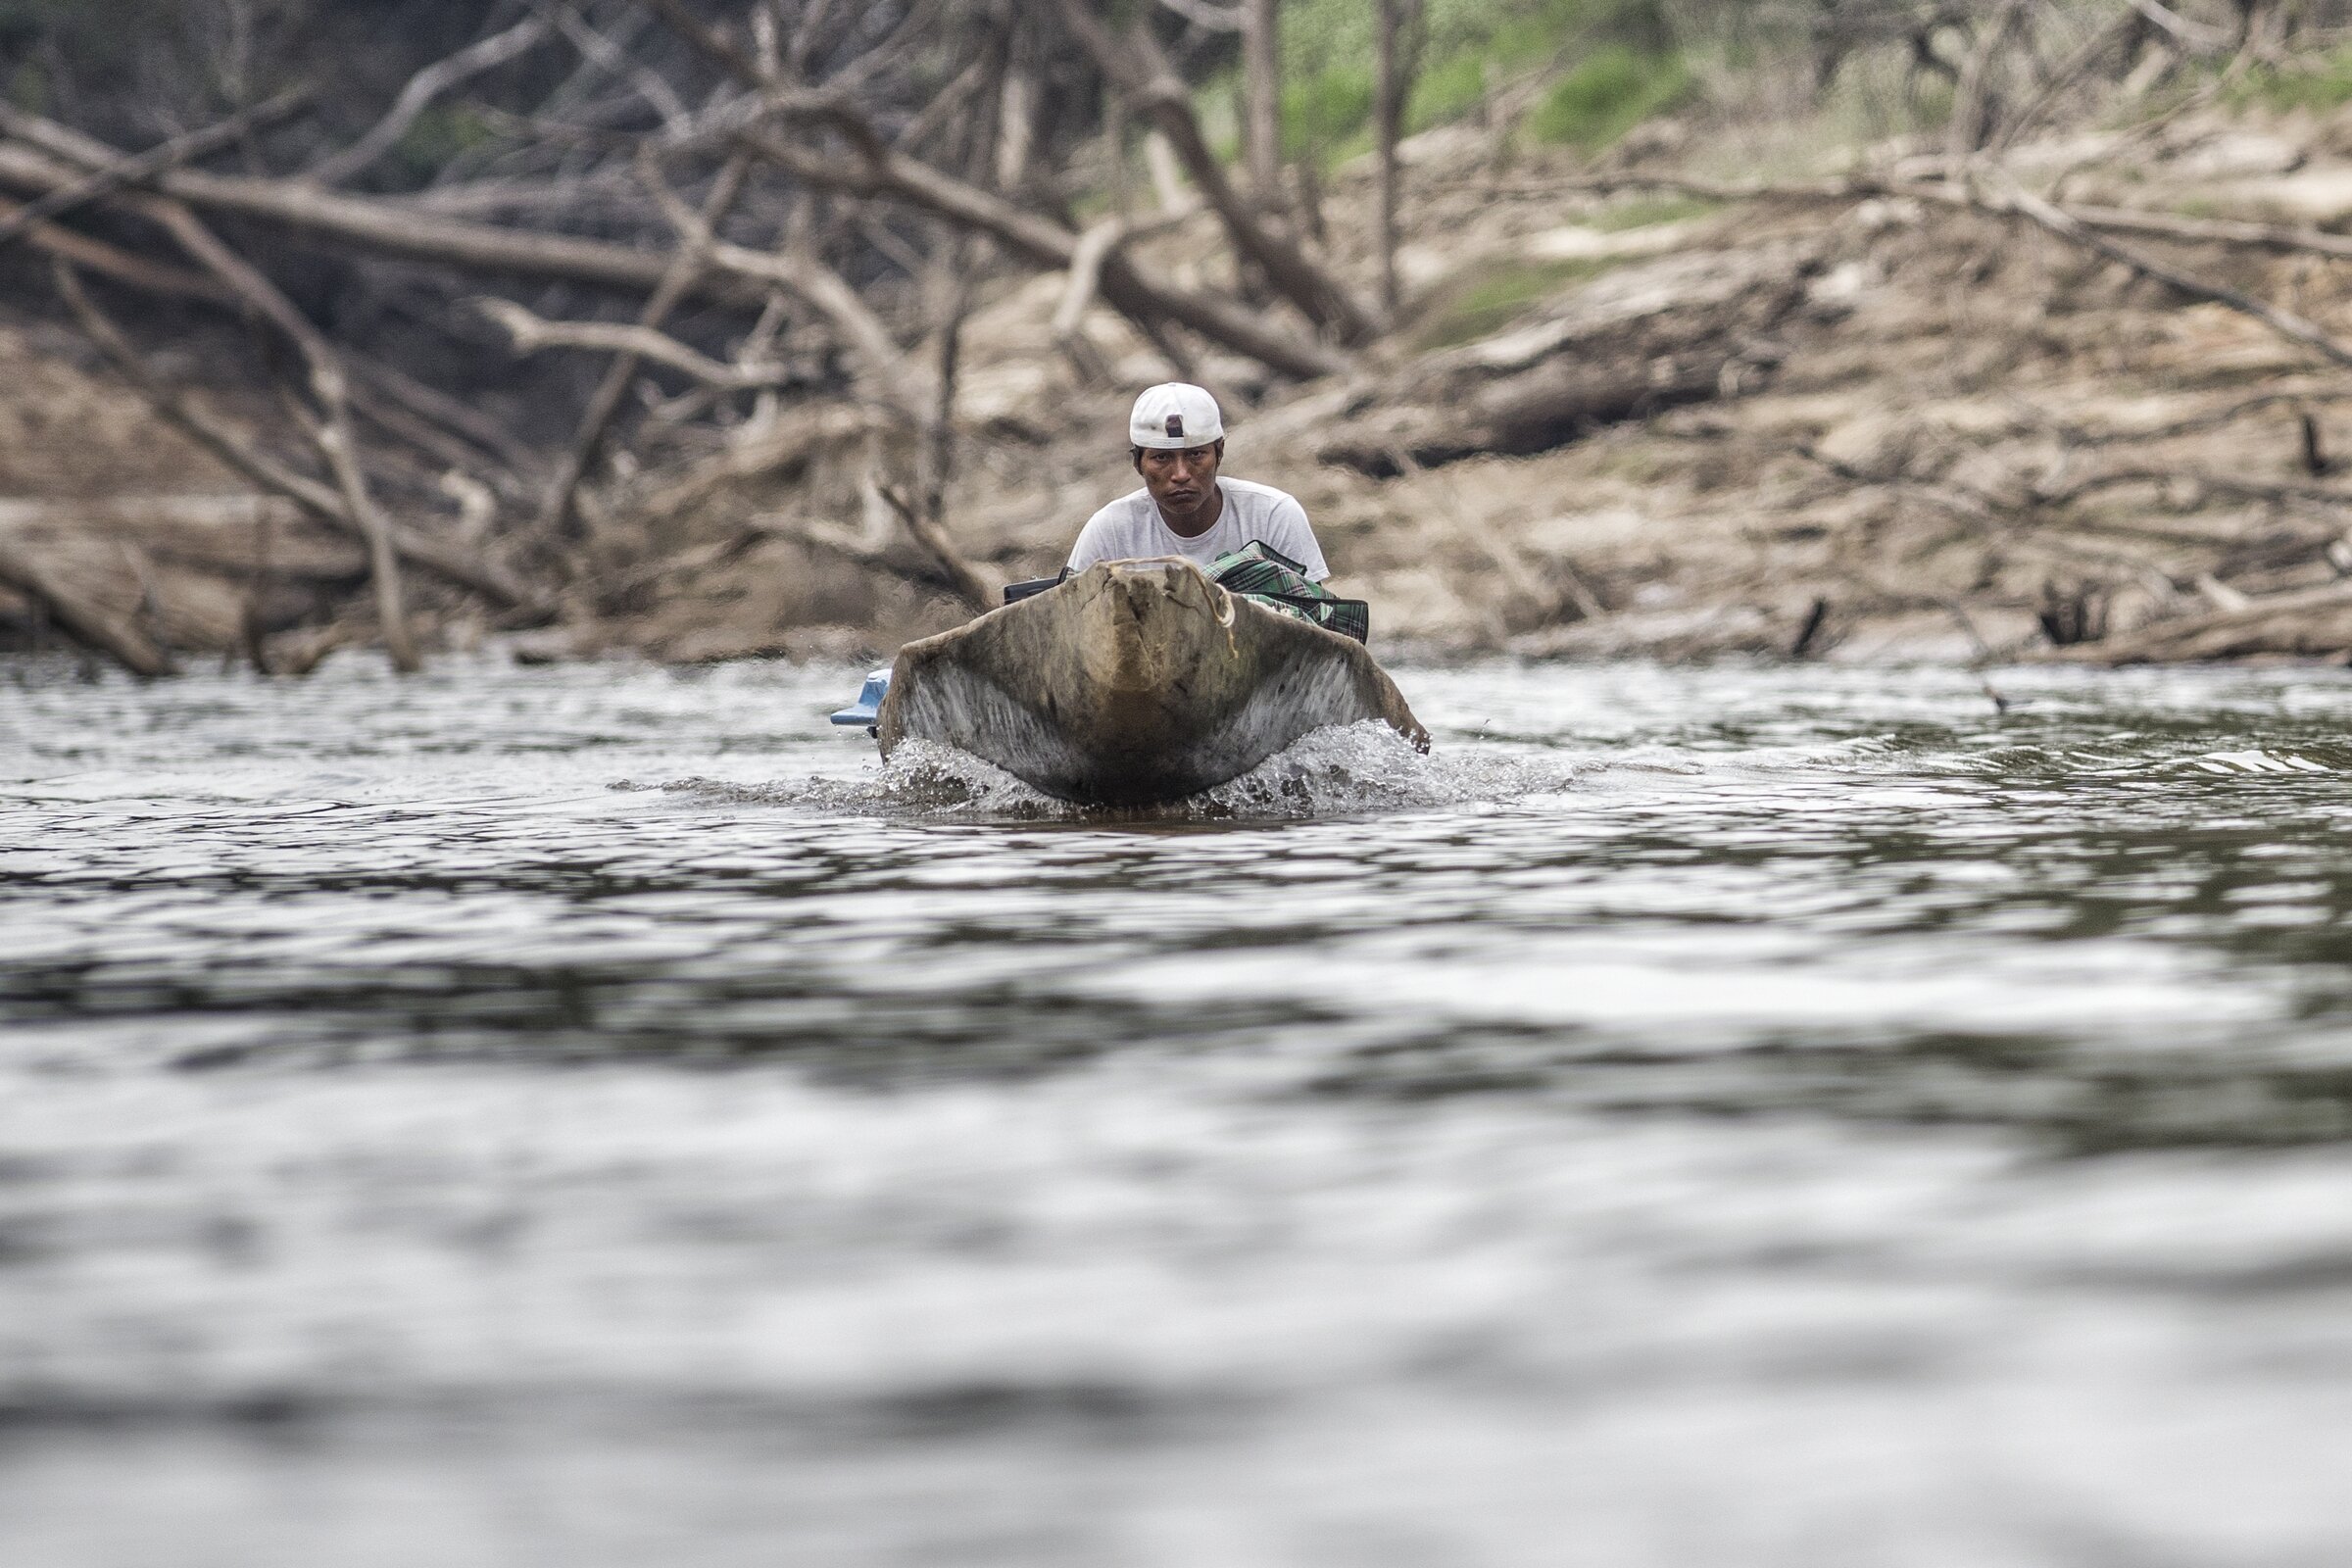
(600,1114)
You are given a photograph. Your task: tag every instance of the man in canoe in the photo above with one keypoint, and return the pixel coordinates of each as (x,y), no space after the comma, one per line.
(1176,439)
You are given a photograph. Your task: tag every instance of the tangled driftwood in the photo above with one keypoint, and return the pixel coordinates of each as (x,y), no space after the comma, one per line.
(1687,327)
(796,113)
(836,204)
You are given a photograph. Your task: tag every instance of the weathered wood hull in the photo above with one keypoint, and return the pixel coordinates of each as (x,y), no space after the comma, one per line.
(1135,682)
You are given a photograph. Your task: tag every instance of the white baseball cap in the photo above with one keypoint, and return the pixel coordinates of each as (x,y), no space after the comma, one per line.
(1174,416)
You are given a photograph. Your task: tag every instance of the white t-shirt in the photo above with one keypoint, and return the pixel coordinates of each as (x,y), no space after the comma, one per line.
(1131,527)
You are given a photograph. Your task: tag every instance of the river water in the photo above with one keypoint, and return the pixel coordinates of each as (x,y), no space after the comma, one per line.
(598,1115)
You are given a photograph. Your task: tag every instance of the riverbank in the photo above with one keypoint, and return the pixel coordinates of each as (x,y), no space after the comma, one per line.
(1849,416)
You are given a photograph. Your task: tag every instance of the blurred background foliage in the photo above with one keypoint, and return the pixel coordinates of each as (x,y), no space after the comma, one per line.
(1581,74)
(1573,74)
(1622,62)
(2317,82)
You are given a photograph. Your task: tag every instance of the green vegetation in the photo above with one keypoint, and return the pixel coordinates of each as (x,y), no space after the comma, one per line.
(1325,112)
(1328,51)
(439,134)
(1609,93)
(1447,92)
(1647,212)
(2317,82)
(1496,296)
(28,88)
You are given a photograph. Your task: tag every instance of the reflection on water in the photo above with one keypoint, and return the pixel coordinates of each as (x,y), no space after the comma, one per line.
(599,1115)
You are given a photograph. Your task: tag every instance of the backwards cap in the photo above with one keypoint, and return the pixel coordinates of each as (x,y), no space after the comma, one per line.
(1174,416)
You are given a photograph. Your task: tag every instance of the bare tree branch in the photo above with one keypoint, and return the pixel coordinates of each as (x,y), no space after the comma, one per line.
(1399,52)
(2189,34)
(2073,231)
(710,43)
(632,342)
(1086,277)
(1261,80)
(330,388)
(2197,424)
(1968,127)
(888,376)
(1143,298)
(595,47)
(2221,484)
(450,414)
(2062,81)
(140,168)
(2283,237)
(1134,61)
(1207,15)
(971,587)
(418,96)
(455,564)
(1095,249)
(948,104)
(388,228)
(556,513)
(1043,242)
(136,272)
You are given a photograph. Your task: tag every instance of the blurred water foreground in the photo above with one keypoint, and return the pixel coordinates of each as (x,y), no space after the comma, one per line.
(592,1114)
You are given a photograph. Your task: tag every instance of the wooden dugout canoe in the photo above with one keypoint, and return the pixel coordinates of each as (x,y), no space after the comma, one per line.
(1134,682)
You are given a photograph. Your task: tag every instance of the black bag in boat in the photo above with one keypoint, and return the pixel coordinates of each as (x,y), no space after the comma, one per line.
(1260,573)
(1015,592)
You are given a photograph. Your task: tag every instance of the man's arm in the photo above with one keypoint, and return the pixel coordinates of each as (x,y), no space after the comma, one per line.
(1089,547)
(1297,539)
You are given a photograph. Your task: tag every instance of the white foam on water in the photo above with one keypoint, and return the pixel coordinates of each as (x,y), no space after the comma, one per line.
(1352,768)
(1345,771)
(2257,761)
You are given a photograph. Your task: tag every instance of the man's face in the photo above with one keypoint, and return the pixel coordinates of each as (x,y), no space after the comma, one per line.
(1182,480)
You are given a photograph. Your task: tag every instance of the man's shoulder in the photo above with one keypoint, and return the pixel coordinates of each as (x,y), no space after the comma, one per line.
(1257,497)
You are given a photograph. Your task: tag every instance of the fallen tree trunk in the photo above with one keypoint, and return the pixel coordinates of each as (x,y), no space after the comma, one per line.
(85,622)
(2311,623)
(385,227)
(219,534)
(61,244)
(1681,330)
(140,168)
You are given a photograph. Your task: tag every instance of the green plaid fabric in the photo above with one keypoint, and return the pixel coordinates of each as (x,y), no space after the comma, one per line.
(1258,572)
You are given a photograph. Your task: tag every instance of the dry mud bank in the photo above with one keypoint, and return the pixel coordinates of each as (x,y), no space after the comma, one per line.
(1861,419)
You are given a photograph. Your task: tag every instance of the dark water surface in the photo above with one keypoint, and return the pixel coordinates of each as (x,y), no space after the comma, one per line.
(597,1116)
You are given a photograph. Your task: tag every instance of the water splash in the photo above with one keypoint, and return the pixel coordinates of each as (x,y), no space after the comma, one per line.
(1354,769)
(2257,760)
(1345,771)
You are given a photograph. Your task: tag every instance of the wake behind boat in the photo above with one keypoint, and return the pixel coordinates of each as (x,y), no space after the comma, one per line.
(1132,683)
